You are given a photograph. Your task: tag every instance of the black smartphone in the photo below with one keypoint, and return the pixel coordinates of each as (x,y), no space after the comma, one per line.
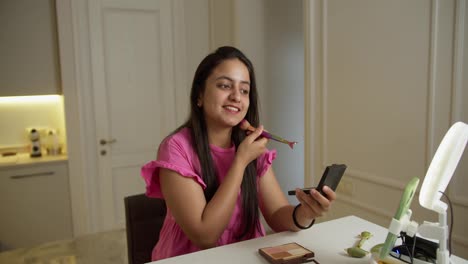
(331,177)
(306,190)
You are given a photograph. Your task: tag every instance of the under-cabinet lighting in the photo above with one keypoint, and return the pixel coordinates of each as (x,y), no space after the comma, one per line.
(31,99)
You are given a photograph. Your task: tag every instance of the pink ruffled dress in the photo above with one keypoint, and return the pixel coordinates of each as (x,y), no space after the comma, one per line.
(176,153)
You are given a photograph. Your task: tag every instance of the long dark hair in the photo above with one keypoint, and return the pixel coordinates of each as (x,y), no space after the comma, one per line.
(196,123)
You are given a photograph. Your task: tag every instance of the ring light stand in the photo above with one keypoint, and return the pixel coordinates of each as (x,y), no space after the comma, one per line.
(437,178)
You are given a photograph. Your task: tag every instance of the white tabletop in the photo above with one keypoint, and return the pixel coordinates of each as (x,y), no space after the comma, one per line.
(328,240)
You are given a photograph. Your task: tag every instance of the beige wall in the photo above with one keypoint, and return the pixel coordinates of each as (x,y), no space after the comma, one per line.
(385,81)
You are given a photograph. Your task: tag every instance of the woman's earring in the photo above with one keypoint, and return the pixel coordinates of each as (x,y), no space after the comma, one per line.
(199,103)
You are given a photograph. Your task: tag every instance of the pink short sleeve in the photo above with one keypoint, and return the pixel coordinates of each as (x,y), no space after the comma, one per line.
(175,153)
(264,161)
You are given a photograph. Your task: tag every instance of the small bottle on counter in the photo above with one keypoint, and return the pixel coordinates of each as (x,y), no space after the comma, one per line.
(53,145)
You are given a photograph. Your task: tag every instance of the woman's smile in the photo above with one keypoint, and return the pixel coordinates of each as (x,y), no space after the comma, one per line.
(232,109)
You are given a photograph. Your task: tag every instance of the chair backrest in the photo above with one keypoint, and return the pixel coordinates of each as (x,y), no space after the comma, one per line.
(144,219)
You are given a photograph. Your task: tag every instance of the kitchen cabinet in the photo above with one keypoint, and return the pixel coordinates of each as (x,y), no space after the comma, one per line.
(29,63)
(35,204)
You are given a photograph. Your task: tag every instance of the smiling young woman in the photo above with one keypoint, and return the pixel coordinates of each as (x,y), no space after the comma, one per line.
(214,176)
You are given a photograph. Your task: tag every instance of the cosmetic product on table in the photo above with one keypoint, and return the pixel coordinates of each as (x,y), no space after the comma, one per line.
(288,253)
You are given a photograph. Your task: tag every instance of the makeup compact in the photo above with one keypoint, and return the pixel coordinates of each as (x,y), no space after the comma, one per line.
(291,253)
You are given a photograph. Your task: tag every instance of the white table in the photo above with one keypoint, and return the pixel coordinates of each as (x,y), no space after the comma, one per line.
(328,240)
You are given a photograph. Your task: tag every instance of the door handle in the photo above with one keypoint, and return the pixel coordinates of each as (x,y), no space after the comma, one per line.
(104,142)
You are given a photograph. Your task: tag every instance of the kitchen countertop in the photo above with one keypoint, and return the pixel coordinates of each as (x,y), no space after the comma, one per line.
(23,159)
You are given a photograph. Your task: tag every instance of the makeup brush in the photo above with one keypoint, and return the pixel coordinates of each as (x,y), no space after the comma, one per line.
(245,125)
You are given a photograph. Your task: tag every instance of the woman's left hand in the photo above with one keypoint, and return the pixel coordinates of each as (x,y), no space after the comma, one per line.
(315,204)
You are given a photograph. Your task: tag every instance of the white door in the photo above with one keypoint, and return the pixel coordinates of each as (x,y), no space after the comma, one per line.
(133,79)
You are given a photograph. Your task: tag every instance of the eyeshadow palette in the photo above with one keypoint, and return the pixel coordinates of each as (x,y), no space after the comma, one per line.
(290,253)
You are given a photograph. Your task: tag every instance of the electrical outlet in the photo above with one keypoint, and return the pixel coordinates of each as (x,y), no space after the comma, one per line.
(346,187)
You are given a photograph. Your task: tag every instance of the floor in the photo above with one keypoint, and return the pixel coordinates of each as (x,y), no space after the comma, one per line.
(103,248)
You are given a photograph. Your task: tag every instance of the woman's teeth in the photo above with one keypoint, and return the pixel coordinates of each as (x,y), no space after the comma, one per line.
(231,108)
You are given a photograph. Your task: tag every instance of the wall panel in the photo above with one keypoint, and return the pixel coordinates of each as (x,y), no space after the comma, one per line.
(389,86)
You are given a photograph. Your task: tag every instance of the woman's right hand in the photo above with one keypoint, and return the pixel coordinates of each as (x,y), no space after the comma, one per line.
(252,146)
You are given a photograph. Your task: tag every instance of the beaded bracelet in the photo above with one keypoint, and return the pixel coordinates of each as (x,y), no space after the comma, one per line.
(295,220)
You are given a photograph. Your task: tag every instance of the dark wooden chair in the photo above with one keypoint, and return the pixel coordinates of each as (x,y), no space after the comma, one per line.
(144,218)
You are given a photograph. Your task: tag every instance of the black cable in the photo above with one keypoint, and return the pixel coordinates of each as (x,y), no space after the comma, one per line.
(410,253)
(414,247)
(404,246)
(451,222)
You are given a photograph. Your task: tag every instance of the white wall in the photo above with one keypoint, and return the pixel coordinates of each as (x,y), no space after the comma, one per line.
(270,34)
(250,37)
(285,89)
(193,47)
(385,85)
